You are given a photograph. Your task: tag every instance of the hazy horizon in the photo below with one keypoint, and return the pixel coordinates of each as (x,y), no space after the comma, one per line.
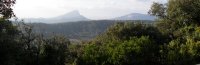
(92,9)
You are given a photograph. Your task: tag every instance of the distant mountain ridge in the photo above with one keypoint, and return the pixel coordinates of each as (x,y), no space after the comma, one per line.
(75,16)
(135,16)
(68,17)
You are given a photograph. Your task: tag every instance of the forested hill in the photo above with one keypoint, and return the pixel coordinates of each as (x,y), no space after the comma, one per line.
(82,30)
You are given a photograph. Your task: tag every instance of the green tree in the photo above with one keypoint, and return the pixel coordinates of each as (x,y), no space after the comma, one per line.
(124,31)
(9,47)
(179,19)
(55,51)
(135,51)
(6,10)
(176,14)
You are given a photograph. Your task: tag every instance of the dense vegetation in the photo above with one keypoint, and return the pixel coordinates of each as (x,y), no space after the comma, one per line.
(173,40)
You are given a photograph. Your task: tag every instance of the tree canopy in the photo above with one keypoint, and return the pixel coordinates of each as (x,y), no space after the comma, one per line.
(6,10)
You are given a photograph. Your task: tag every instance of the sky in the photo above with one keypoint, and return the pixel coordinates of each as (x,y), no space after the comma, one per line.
(92,9)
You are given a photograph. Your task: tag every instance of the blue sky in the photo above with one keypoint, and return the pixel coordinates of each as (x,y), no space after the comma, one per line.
(92,9)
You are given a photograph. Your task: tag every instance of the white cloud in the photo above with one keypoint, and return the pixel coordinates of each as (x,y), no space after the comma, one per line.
(94,9)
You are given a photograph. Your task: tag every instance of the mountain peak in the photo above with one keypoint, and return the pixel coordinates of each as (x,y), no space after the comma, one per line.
(72,13)
(69,17)
(136,14)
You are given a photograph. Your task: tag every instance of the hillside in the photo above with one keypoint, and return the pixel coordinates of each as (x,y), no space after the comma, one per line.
(83,30)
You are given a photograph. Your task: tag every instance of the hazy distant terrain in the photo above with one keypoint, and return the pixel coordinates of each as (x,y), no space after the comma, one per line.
(135,16)
(83,30)
(68,17)
(76,26)
(75,16)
